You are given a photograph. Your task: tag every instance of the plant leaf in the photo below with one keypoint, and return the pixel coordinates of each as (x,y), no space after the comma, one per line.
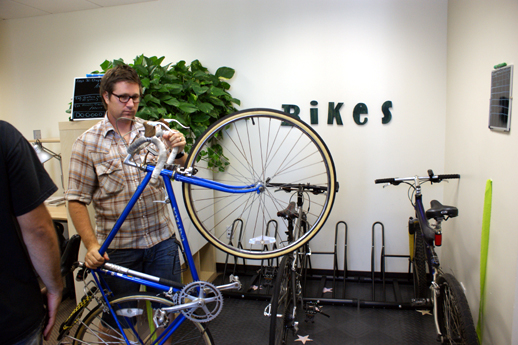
(145,82)
(106,65)
(199,89)
(215,91)
(225,72)
(150,98)
(200,118)
(205,107)
(187,107)
(173,101)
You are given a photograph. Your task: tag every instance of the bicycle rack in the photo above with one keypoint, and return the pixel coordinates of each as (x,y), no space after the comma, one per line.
(274,245)
(268,272)
(323,279)
(239,245)
(384,256)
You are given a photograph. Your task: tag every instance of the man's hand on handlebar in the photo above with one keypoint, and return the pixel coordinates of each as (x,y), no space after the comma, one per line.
(174,139)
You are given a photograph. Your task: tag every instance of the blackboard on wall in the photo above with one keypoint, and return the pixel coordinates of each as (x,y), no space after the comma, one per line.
(87,104)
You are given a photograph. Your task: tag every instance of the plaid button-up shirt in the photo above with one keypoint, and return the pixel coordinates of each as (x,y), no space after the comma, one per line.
(97,174)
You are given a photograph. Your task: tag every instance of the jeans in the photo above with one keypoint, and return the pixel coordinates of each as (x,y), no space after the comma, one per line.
(161,260)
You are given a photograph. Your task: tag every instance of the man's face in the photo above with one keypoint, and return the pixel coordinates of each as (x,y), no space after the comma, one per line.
(117,109)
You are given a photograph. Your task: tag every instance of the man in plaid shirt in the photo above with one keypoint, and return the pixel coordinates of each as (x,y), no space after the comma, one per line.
(97,174)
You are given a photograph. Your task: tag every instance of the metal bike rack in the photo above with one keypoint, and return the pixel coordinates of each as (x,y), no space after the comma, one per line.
(235,223)
(384,256)
(274,245)
(267,271)
(323,279)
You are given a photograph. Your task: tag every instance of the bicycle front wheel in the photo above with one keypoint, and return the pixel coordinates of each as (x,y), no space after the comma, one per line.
(265,148)
(135,312)
(453,313)
(282,304)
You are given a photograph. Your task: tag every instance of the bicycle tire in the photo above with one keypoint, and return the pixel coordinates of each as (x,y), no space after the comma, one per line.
(419,262)
(271,148)
(453,313)
(282,304)
(88,328)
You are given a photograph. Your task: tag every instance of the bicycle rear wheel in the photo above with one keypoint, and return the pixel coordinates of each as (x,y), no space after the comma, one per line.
(138,324)
(282,304)
(269,148)
(453,313)
(419,262)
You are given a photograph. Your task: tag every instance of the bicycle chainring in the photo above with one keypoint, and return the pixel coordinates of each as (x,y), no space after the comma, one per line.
(208,298)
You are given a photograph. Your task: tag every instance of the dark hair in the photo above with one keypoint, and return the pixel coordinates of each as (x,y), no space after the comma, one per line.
(116,74)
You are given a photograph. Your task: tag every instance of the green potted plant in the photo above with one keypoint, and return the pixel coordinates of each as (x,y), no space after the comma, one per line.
(188,93)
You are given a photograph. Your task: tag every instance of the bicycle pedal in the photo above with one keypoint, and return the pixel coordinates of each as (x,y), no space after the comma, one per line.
(421,302)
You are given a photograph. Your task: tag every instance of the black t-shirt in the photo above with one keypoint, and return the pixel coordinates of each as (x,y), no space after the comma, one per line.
(24,185)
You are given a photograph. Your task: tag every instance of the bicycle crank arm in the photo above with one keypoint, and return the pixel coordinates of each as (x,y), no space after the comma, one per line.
(235,283)
(200,302)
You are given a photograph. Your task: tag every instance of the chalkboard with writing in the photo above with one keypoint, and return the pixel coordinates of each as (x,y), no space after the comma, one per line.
(87,102)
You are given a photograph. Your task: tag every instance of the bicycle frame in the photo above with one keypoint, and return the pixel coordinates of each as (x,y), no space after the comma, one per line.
(431,256)
(152,281)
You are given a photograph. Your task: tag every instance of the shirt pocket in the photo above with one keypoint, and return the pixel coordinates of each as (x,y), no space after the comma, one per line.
(111,177)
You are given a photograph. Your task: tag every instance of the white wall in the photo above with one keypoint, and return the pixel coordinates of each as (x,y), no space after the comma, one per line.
(482,34)
(432,59)
(284,52)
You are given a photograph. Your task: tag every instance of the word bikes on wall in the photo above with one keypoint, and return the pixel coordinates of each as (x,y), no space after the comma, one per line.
(360,113)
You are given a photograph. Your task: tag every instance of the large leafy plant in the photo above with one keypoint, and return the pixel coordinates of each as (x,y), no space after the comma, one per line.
(188,93)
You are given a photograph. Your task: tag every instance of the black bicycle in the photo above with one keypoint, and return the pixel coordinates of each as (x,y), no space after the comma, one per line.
(451,311)
(287,297)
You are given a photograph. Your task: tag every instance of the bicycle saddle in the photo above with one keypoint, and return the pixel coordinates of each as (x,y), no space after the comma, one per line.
(289,212)
(439,210)
(70,253)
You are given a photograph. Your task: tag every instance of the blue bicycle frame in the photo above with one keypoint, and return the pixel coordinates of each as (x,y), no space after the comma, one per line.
(151,281)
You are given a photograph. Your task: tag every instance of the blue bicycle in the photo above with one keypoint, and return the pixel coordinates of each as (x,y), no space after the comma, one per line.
(267,151)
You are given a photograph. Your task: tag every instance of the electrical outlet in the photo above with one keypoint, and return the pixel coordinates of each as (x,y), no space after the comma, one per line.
(37,134)
(229,231)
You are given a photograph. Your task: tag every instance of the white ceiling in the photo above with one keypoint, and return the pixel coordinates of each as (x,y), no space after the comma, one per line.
(12,9)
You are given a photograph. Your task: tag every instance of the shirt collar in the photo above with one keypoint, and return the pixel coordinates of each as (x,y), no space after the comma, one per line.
(107,127)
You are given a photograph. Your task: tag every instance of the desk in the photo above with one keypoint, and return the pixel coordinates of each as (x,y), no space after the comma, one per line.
(58,213)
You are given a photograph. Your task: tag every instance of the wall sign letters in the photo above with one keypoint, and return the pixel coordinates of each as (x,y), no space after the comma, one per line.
(360,113)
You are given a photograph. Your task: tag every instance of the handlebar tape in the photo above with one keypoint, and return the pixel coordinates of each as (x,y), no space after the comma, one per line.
(172,156)
(134,147)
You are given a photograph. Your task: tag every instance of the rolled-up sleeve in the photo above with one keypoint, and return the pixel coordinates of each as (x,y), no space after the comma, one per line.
(82,179)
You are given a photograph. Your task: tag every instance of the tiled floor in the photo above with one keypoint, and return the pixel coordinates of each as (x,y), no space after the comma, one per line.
(242,322)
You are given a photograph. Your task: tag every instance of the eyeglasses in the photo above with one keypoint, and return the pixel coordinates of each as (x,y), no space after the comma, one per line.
(126,98)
